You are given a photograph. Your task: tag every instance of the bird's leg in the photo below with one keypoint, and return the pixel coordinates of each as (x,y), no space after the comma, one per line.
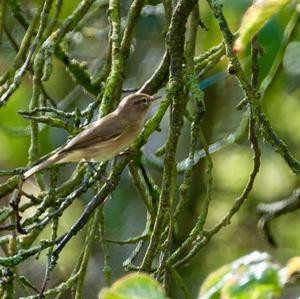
(127,152)
(29,196)
(91,166)
(98,172)
(14,203)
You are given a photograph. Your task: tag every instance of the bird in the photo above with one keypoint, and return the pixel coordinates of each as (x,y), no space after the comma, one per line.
(104,138)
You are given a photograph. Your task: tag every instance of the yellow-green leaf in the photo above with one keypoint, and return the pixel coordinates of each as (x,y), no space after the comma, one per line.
(254,18)
(137,286)
(254,276)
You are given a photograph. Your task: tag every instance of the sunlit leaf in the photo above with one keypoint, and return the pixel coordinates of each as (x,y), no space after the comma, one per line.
(211,288)
(254,276)
(137,286)
(290,270)
(259,281)
(254,18)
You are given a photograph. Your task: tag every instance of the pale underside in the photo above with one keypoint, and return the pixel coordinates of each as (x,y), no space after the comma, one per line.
(103,150)
(103,140)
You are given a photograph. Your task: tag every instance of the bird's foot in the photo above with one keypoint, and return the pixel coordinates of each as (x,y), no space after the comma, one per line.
(14,203)
(111,183)
(106,180)
(126,153)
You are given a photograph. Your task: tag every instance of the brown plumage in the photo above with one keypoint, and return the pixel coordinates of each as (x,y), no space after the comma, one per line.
(104,138)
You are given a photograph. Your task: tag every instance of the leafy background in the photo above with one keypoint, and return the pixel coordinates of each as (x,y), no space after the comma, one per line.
(125,213)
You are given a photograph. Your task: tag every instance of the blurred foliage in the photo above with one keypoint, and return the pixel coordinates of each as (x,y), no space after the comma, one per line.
(254,276)
(124,211)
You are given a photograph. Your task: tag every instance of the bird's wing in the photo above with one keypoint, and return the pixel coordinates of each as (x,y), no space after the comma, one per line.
(101,131)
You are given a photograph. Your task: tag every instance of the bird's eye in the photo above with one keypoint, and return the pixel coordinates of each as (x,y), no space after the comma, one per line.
(144,100)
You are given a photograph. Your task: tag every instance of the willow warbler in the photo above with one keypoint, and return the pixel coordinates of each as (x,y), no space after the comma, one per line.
(104,138)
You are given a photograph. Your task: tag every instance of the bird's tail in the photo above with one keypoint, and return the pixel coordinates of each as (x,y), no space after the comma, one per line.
(43,164)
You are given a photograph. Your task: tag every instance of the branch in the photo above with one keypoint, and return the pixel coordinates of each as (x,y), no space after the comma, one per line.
(176,47)
(270,211)
(252,96)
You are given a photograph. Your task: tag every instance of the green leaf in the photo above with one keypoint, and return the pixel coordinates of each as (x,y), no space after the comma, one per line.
(291,62)
(254,18)
(254,276)
(137,286)
(211,288)
(260,281)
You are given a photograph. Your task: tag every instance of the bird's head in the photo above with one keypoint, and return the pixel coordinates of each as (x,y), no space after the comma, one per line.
(136,105)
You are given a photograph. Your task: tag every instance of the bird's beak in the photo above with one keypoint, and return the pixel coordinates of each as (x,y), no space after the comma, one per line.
(154,98)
